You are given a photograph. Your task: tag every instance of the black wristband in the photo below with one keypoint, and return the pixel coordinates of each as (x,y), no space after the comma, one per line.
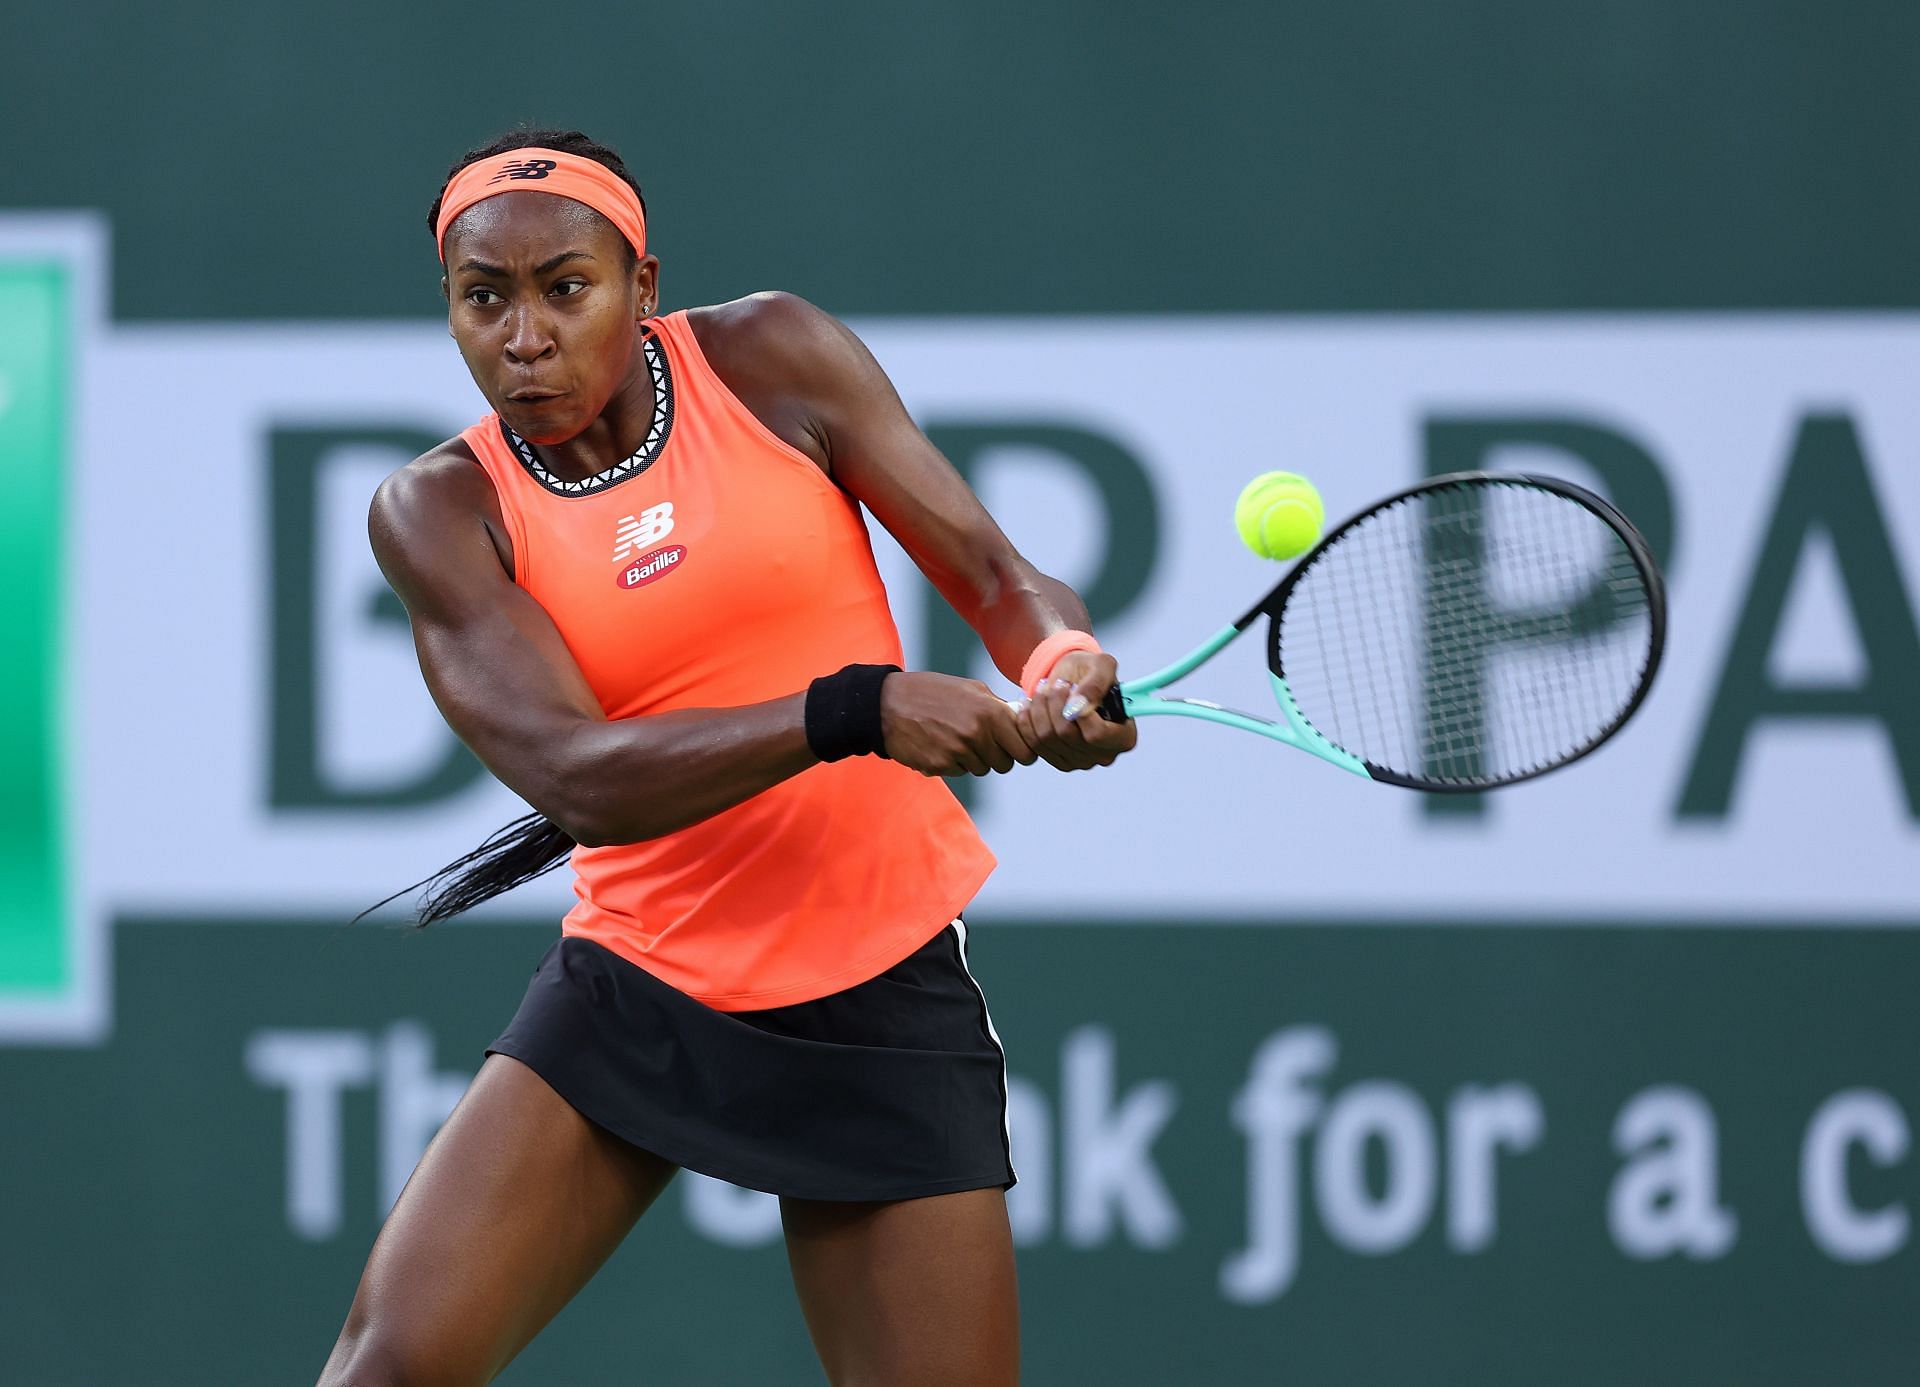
(843,712)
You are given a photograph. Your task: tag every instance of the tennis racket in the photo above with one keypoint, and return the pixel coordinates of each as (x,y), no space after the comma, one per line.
(1470,632)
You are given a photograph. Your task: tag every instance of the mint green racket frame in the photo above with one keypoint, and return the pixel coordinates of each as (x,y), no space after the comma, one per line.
(1137,695)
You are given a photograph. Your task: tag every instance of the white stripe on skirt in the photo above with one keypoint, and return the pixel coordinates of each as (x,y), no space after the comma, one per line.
(1006,1126)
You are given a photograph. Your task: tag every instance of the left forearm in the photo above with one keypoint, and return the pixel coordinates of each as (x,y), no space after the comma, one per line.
(1018,612)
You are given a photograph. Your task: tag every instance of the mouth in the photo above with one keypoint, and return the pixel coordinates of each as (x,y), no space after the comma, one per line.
(534,395)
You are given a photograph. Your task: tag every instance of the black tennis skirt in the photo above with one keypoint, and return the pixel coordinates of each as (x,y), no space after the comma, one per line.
(893,1089)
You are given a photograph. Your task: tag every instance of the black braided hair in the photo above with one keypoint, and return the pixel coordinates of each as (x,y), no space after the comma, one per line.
(527,848)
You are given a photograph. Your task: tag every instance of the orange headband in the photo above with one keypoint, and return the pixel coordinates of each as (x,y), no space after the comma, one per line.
(534,170)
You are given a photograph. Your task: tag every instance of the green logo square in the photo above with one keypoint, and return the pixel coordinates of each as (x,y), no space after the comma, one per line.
(37,957)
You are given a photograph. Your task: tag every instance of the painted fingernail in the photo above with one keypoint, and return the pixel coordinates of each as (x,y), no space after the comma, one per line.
(1075,707)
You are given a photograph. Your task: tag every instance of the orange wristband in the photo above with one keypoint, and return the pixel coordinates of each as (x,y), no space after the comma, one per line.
(1048,653)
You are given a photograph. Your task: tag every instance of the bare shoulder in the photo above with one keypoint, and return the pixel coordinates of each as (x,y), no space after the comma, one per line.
(772,317)
(799,369)
(441,493)
(431,489)
(774,333)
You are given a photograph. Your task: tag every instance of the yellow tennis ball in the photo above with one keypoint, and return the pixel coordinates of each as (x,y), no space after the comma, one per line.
(1279,515)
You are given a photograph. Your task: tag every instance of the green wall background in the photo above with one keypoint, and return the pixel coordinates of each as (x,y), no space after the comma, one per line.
(274,162)
(157,1169)
(277,160)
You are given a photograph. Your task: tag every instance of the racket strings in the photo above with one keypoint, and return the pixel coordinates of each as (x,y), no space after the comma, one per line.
(1469,634)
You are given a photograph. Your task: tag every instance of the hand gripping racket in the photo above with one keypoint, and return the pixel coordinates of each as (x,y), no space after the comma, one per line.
(1473,631)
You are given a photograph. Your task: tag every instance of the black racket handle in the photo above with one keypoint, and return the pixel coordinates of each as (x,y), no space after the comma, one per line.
(1113,707)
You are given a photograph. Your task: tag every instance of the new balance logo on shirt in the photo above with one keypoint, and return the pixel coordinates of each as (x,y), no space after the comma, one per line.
(636,532)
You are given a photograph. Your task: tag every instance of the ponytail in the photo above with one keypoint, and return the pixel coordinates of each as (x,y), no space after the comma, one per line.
(528,847)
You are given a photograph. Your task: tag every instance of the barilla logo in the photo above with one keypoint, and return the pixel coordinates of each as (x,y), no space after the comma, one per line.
(648,567)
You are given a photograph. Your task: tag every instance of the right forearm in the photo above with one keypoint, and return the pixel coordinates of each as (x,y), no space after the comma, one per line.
(630,779)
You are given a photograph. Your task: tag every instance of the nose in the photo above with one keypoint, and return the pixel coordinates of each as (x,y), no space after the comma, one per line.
(529,334)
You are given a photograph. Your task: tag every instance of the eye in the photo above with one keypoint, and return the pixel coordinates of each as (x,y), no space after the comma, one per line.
(569,286)
(482,297)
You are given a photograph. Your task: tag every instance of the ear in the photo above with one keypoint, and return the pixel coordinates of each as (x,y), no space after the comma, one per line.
(646,286)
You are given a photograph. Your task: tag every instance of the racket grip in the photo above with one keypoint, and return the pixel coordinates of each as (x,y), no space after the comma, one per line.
(1113,707)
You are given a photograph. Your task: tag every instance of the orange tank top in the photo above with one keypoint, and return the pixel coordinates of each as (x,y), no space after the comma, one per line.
(716,567)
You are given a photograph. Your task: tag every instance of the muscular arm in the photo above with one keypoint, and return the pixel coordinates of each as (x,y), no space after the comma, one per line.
(812,381)
(506,683)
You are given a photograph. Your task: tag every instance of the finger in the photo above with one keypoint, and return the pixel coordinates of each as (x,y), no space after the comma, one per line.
(1066,739)
(1051,750)
(1116,742)
(1077,748)
(1091,674)
(1107,738)
(1051,712)
(1033,734)
(1087,695)
(1010,736)
(1080,747)
(1081,665)
(1012,741)
(1032,725)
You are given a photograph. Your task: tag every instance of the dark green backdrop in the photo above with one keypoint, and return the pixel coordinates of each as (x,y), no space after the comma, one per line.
(153,1247)
(995,156)
(272,162)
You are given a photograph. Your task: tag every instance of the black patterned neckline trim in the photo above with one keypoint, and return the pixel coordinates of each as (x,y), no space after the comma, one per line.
(632,465)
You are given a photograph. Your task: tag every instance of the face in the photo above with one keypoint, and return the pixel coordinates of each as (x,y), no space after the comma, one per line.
(542,302)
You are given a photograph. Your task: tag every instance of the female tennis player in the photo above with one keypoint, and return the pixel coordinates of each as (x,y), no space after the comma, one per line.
(642,592)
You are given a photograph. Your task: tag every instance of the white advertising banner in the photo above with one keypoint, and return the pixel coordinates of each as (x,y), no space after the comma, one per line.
(252,735)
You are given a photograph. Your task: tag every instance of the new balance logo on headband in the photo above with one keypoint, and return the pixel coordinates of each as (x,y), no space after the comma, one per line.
(525,168)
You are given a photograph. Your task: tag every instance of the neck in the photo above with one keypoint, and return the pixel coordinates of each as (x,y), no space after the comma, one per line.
(617,434)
